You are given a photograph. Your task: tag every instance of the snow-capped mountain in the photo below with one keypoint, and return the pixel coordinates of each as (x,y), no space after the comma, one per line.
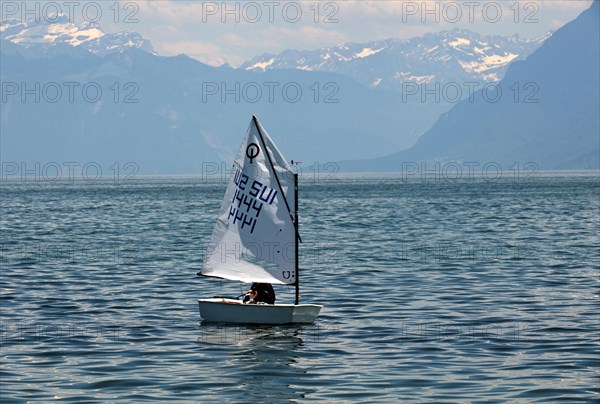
(557,129)
(60,29)
(447,56)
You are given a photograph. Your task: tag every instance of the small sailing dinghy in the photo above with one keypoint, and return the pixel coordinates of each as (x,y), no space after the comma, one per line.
(256,237)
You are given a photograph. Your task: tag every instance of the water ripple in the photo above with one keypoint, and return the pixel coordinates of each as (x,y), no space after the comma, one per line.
(433,292)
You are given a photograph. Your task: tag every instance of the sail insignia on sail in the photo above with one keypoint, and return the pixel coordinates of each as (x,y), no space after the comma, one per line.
(254,236)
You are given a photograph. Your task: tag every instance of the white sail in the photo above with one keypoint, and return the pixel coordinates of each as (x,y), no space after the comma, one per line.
(253,239)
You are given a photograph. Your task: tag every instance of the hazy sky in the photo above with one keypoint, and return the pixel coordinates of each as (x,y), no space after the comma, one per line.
(234,31)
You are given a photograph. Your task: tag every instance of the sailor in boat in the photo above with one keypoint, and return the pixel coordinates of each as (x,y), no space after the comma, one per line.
(260,293)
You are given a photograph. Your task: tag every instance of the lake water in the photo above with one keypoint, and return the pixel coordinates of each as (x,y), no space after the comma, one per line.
(434,291)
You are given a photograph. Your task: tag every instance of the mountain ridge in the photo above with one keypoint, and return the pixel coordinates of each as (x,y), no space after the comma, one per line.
(174,125)
(558,129)
(442,57)
(59,29)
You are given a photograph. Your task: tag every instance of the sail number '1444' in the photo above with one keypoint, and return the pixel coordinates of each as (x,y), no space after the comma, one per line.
(252,197)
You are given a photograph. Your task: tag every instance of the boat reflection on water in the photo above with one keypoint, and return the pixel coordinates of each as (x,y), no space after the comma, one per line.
(250,335)
(264,362)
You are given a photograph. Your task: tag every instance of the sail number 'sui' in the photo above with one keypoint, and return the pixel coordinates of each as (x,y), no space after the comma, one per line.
(250,198)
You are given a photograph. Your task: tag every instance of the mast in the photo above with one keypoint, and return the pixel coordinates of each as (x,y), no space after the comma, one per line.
(297,282)
(294,218)
(287,205)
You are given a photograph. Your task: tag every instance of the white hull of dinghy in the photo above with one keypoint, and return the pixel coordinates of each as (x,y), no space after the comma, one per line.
(234,311)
